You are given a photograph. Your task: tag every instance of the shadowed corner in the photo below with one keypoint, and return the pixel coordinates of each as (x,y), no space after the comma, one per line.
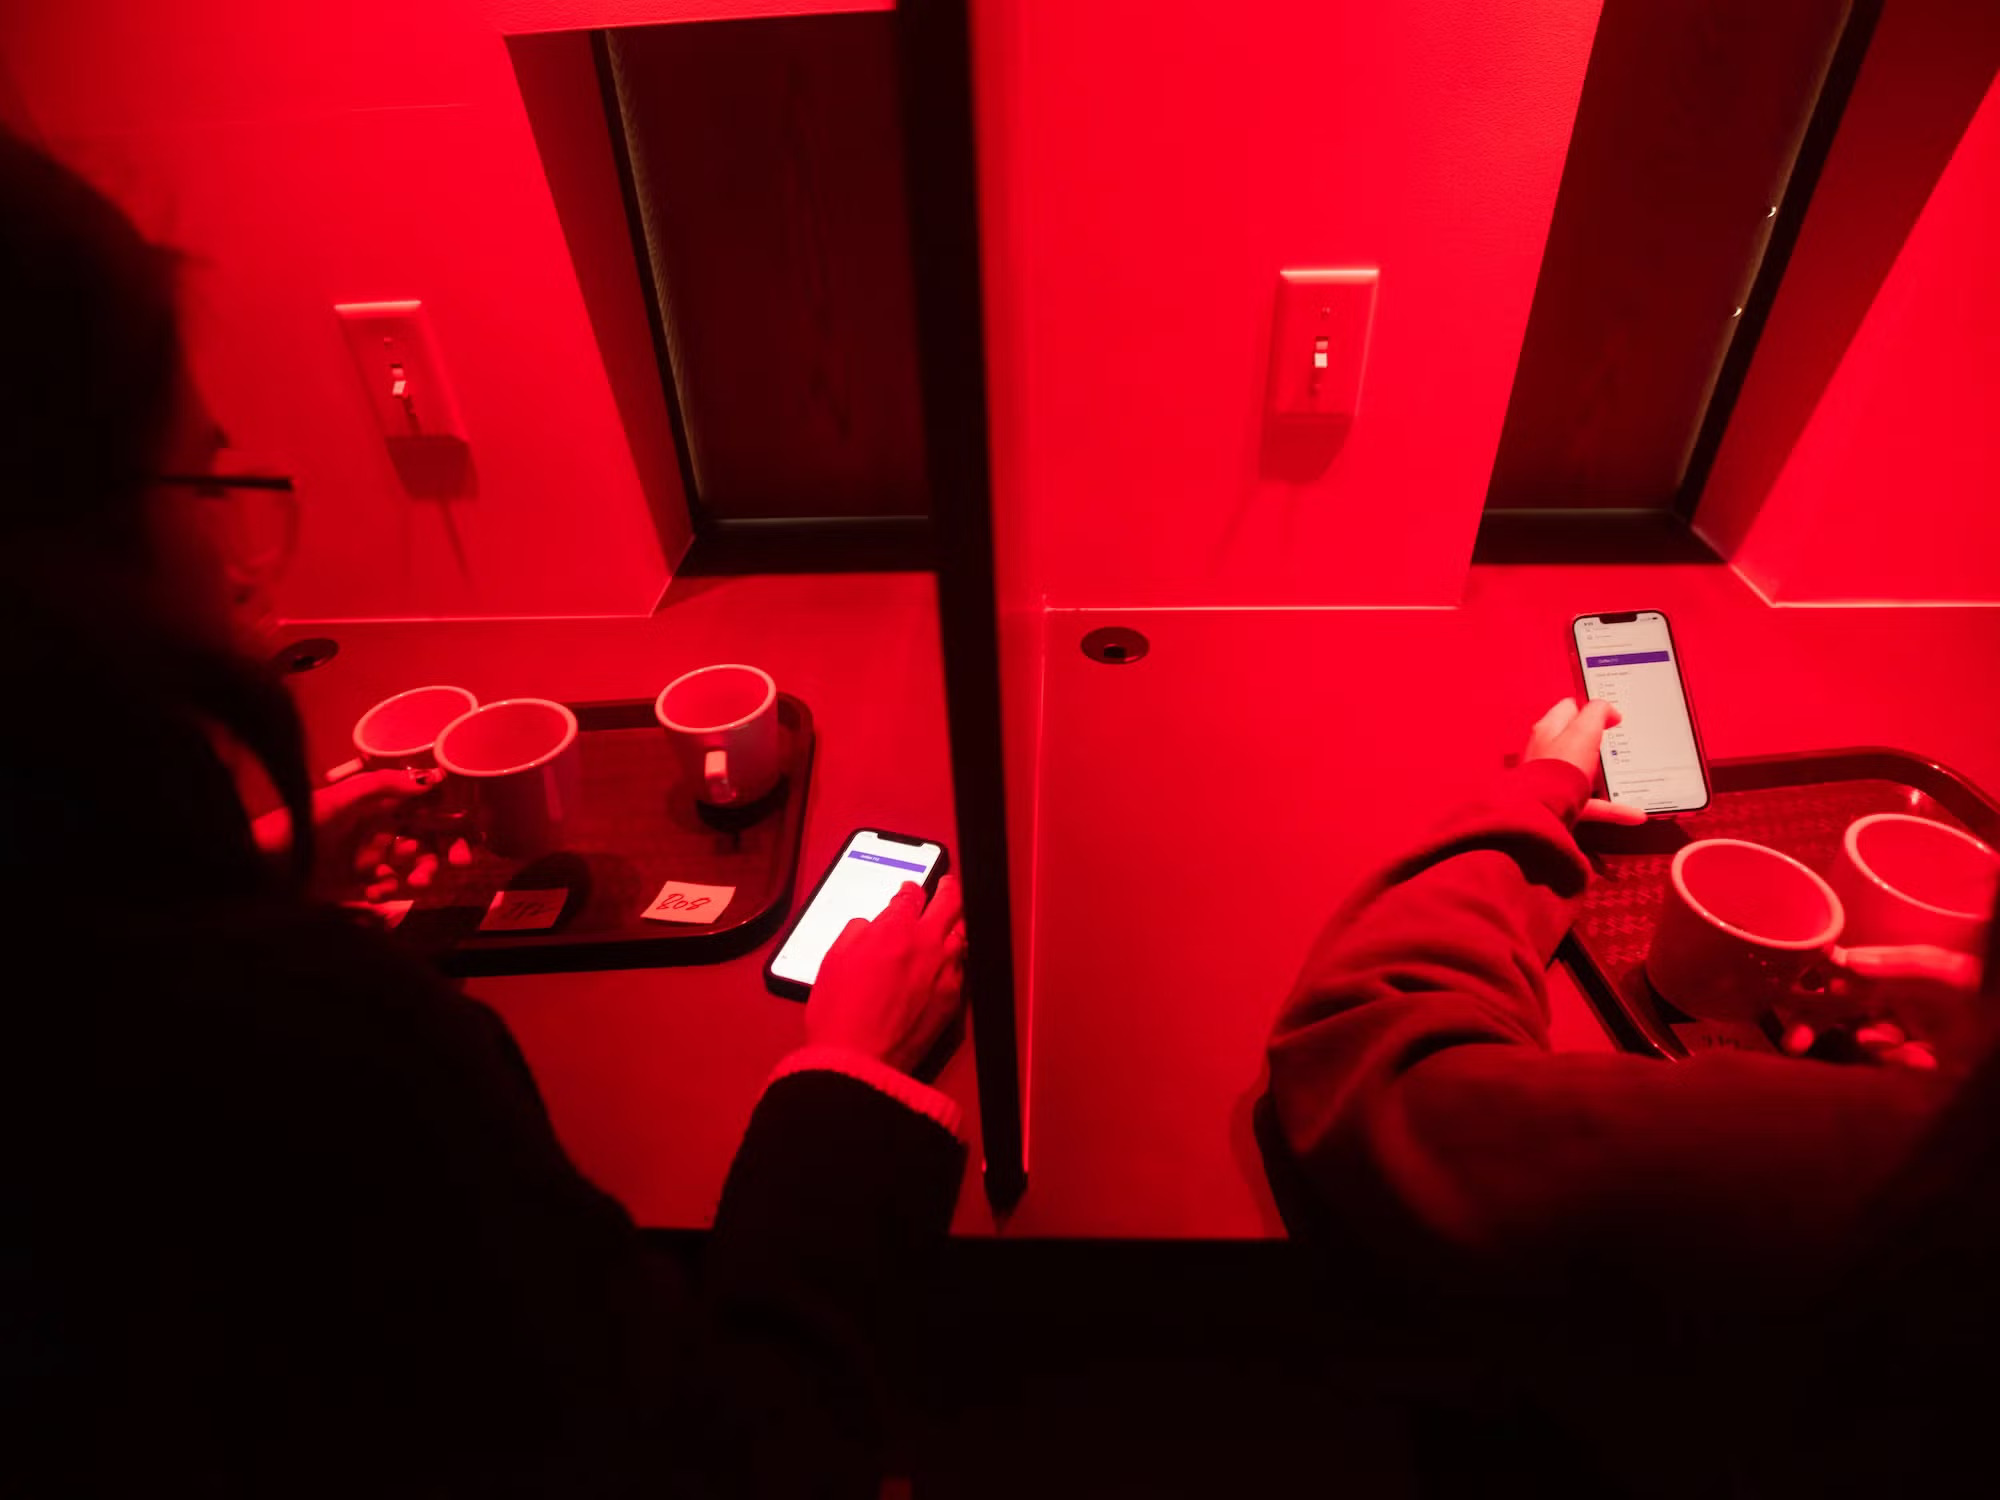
(1298,449)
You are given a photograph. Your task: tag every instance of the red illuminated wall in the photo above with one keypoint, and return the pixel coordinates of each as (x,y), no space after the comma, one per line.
(1164,161)
(1145,170)
(1929,63)
(1892,493)
(310,154)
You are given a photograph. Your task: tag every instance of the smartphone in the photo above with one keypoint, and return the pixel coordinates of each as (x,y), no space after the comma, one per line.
(870,868)
(1652,759)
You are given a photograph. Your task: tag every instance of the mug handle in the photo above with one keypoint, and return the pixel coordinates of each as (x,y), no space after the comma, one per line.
(715,772)
(345,769)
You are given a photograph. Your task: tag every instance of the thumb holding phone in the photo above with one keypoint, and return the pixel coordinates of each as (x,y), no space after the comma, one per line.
(1574,736)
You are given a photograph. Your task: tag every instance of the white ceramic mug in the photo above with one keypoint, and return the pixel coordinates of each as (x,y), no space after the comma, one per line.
(1741,925)
(401,732)
(521,770)
(1905,879)
(722,722)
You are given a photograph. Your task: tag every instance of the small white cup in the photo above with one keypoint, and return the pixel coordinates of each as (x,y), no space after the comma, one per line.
(1905,879)
(1742,923)
(522,772)
(401,732)
(722,723)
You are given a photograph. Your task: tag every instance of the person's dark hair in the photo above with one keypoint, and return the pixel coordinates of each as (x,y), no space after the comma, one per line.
(126,703)
(94,353)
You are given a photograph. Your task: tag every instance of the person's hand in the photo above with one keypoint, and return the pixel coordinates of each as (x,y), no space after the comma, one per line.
(1893,1005)
(356,850)
(1572,735)
(888,988)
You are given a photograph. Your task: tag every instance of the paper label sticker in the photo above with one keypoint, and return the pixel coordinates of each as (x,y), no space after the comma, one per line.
(679,901)
(523,911)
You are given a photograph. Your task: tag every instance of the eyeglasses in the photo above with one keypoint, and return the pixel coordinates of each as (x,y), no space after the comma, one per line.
(217,486)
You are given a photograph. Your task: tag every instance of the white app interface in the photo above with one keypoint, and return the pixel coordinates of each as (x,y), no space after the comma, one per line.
(1650,759)
(869,872)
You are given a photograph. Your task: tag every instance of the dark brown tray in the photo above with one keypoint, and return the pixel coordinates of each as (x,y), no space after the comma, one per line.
(638,828)
(1800,804)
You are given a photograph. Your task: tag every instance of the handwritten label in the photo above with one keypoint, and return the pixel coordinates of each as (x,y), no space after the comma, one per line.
(523,911)
(698,905)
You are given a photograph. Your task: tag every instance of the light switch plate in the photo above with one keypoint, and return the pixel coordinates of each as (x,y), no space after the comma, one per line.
(1309,379)
(391,342)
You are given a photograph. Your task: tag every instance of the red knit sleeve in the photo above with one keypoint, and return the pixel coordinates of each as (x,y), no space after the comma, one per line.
(1417,1106)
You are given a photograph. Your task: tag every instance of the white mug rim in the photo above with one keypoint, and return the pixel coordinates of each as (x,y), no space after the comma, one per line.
(446,763)
(379,752)
(1824,938)
(660,701)
(1850,846)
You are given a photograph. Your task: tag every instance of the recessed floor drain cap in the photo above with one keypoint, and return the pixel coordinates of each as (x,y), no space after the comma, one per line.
(1115,645)
(303,656)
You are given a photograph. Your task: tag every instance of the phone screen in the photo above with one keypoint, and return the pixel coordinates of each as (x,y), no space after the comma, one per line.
(1650,759)
(870,870)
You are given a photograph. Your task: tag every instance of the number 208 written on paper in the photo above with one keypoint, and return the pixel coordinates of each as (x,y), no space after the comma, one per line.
(681,901)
